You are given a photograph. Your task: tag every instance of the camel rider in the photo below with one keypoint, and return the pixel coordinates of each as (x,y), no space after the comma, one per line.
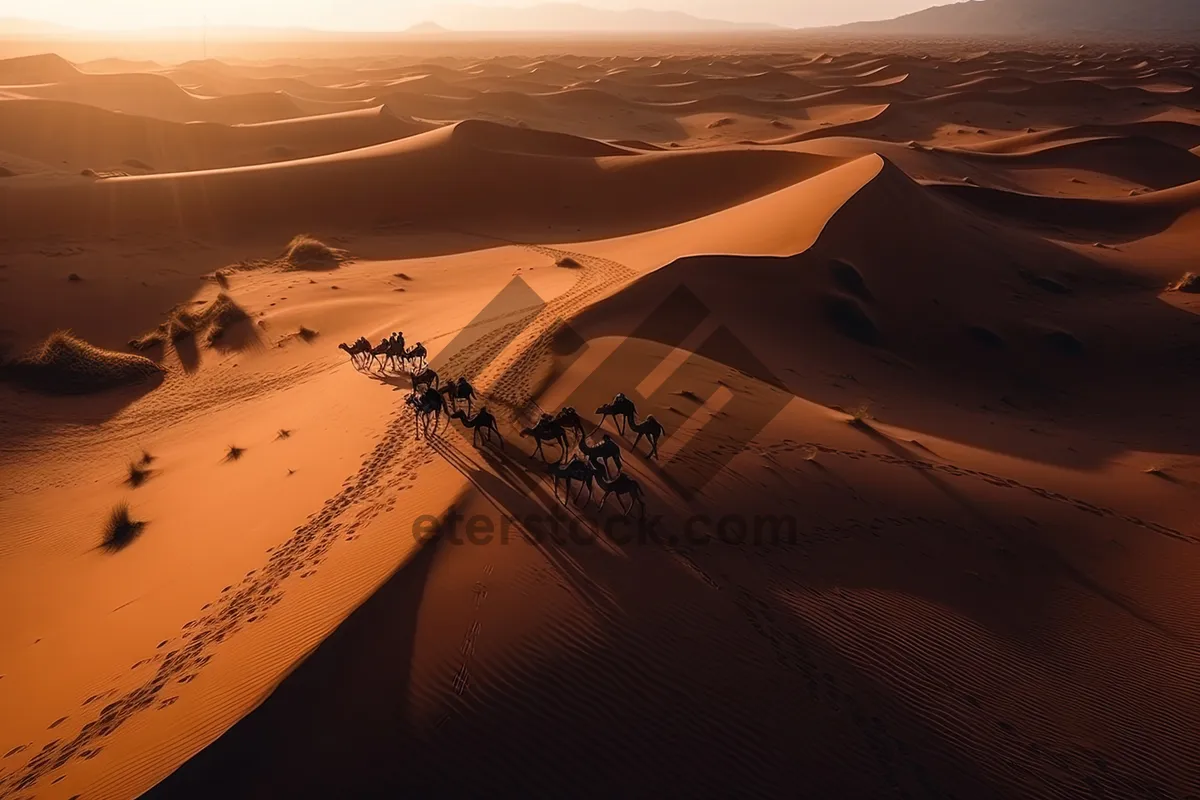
(545,421)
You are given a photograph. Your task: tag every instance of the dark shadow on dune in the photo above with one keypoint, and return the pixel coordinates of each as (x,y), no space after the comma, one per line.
(346,711)
(188,352)
(320,714)
(242,335)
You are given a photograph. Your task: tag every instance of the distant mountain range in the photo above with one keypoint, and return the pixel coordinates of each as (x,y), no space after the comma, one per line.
(549,17)
(1042,18)
(544,18)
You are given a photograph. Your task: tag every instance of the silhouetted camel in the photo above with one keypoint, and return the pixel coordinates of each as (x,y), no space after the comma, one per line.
(573,470)
(417,354)
(395,351)
(651,429)
(620,407)
(483,421)
(359,352)
(426,377)
(425,405)
(459,390)
(547,430)
(380,351)
(569,418)
(599,454)
(622,485)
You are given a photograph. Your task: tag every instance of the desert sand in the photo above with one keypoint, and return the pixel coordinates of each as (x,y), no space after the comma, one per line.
(923,306)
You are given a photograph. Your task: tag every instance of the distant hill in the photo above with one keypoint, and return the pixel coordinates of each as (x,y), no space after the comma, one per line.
(1042,17)
(427,27)
(580,18)
(31,28)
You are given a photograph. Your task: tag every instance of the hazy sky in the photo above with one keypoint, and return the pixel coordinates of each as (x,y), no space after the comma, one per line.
(394,14)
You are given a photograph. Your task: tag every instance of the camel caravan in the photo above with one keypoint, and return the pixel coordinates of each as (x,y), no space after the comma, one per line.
(590,464)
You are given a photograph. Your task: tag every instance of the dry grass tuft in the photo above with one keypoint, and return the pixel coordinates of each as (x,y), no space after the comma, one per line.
(566,262)
(138,474)
(146,458)
(307,334)
(1189,283)
(148,341)
(221,315)
(65,364)
(284,433)
(214,320)
(234,452)
(404,276)
(121,529)
(860,416)
(305,252)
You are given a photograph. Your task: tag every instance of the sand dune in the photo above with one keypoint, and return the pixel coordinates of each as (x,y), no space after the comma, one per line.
(129,142)
(506,176)
(930,309)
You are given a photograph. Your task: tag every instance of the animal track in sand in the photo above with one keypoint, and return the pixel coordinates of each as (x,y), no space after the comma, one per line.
(393,462)
(994,480)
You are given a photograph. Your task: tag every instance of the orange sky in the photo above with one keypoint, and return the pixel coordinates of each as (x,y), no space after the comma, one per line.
(395,14)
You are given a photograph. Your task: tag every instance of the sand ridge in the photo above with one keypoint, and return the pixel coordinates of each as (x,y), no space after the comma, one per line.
(914,303)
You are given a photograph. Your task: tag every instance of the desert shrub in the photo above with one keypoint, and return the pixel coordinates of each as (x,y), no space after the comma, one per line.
(566,262)
(1190,283)
(148,341)
(138,473)
(221,315)
(65,364)
(215,319)
(121,529)
(305,252)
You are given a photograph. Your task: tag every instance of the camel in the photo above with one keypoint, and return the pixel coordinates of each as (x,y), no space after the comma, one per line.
(357,351)
(417,354)
(621,409)
(569,418)
(547,430)
(574,470)
(459,390)
(380,352)
(651,429)
(395,351)
(425,377)
(483,421)
(622,485)
(599,454)
(426,404)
